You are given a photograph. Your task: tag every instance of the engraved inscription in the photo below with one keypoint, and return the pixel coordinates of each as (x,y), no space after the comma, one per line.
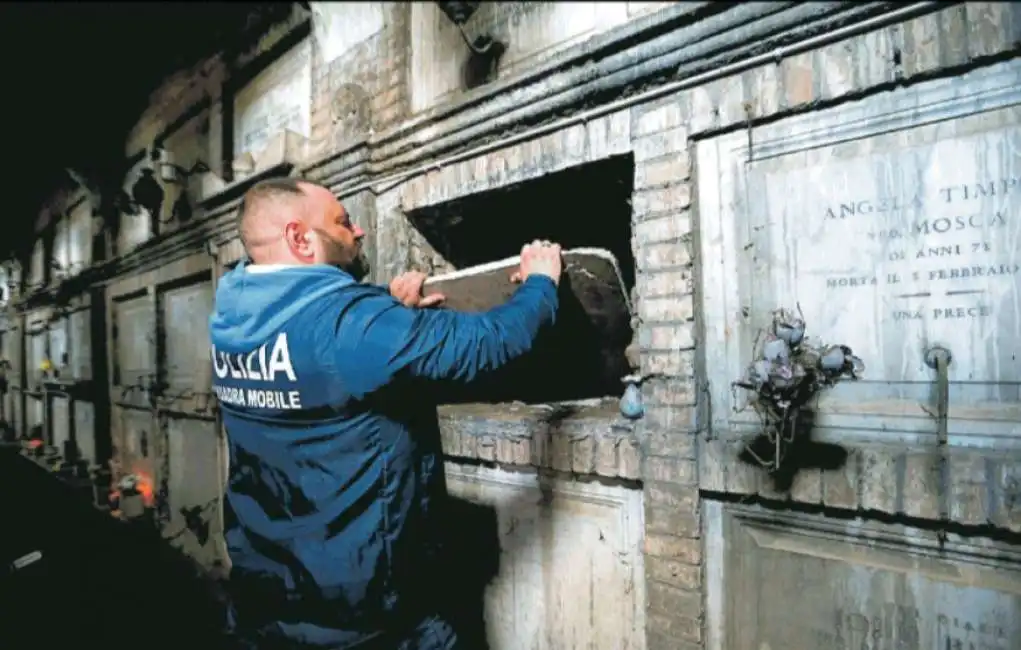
(910,247)
(894,627)
(899,627)
(956,633)
(897,241)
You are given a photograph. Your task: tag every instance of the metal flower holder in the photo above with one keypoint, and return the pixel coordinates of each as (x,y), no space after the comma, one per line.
(788,372)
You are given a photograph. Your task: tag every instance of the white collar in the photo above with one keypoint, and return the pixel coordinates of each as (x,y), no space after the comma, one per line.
(267,268)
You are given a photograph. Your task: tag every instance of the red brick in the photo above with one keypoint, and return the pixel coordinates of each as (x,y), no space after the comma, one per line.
(675,574)
(661,116)
(664,255)
(799,79)
(670,470)
(655,640)
(671,227)
(679,336)
(674,602)
(655,310)
(668,363)
(673,391)
(661,200)
(675,282)
(670,522)
(675,628)
(835,65)
(672,496)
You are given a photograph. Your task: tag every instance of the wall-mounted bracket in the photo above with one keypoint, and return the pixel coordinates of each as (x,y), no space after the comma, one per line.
(459,13)
(938,358)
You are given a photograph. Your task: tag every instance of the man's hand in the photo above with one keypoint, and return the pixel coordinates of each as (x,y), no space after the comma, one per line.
(407,288)
(540,258)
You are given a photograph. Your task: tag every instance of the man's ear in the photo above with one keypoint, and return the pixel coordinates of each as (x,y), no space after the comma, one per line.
(299,240)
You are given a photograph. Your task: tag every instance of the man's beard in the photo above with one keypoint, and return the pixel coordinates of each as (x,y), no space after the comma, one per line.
(359,267)
(356,265)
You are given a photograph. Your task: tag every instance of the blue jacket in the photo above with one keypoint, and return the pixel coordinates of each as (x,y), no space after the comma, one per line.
(335,455)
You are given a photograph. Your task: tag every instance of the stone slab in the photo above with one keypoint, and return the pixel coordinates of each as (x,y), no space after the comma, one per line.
(853,585)
(583,354)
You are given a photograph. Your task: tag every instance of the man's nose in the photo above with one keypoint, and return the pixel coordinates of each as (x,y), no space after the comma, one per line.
(358,232)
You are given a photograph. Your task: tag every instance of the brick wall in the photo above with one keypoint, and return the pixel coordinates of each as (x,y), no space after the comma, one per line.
(667,335)
(674,454)
(885,478)
(364,89)
(173,98)
(529,31)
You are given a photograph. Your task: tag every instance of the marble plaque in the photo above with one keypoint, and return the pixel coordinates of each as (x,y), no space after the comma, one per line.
(894,224)
(854,586)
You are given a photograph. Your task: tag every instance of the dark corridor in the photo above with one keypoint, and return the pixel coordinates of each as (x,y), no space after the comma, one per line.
(98,580)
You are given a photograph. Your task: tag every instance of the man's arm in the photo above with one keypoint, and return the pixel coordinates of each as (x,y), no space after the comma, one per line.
(377,338)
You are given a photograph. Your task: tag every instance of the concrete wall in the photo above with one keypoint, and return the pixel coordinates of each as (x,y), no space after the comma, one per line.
(901,530)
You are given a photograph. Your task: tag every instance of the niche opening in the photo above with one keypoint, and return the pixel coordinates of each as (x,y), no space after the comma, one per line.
(584,207)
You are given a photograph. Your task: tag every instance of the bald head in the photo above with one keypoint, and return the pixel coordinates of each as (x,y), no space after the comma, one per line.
(266,205)
(291,221)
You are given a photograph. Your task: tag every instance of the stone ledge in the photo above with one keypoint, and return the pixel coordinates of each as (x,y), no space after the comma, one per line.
(894,55)
(580,438)
(723,37)
(973,487)
(599,139)
(345,165)
(611,42)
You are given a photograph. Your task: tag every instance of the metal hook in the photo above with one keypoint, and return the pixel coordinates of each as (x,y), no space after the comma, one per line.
(477,49)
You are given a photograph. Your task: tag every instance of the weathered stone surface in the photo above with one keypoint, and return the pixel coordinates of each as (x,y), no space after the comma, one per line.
(887,423)
(851,581)
(973,487)
(594,439)
(573,547)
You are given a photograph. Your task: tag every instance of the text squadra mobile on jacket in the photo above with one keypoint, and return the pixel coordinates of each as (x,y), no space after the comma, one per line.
(264,364)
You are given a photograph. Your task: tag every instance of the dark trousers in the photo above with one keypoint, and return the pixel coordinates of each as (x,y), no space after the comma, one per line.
(429,633)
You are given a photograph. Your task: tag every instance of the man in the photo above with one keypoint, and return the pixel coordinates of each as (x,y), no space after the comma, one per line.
(335,462)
